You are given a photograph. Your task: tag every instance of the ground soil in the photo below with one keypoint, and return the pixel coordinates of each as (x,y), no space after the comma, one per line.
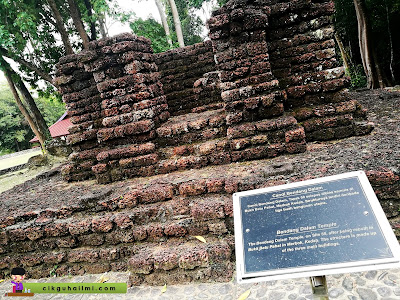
(380,149)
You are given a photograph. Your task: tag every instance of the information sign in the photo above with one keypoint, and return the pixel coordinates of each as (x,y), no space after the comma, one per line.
(317,227)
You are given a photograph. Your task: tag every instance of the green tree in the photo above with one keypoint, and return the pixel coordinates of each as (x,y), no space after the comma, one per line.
(191,24)
(367,34)
(14,129)
(199,3)
(52,107)
(161,12)
(15,132)
(151,29)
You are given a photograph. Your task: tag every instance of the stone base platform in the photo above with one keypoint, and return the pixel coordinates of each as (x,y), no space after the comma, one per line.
(148,226)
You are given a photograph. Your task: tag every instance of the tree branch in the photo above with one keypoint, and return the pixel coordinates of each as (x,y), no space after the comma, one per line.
(29,65)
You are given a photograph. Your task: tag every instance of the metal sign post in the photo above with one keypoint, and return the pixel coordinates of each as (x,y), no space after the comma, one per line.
(319,287)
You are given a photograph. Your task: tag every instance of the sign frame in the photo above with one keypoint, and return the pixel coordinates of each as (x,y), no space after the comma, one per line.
(316,270)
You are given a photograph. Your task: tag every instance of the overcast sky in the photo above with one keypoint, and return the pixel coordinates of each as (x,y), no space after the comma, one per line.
(147,8)
(142,9)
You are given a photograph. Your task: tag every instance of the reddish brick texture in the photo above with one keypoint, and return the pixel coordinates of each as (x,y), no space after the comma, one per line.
(151,229)
(303,59)
(116,101)
(266,83)
(189,78)
(83,102)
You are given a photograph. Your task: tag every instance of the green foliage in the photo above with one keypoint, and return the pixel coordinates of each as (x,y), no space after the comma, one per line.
(51,107)
(191,24)
(27,32)
(15,132)
(384,19)
(222,2)
(199,3)
(152,30)
(357,76)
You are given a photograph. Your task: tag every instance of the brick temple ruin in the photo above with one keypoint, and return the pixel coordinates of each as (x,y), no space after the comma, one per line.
(265,84)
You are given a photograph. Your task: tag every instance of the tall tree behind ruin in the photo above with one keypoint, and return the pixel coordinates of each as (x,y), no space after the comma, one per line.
(372,68)
(28,36)
(60,27)
(164,22)
(91,21)
(177,22)
(76,17)
(382,22)
(32,116)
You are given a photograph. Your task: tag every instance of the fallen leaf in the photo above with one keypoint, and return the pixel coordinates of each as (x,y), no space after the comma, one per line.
(103,279)
(244,295)
(164,289)
(200,238)
(1,280)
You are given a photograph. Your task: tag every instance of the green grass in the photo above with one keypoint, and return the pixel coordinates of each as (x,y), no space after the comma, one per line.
(6,163)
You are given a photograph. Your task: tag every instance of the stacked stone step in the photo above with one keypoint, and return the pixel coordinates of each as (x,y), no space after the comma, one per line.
(192,127)
(250,91)
(147,218)
(149,228)
(83,102)
(133,105)
(106,231)
(180,68)
(193,141)
(303,58)
(208,92)
(194,155)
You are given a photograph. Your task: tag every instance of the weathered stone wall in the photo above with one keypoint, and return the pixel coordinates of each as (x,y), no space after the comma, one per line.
(133,106)
(114,126)
(253,101)
(180,68)
(83,102)
(149,228)
(266,83)
(302,53)
(266,95)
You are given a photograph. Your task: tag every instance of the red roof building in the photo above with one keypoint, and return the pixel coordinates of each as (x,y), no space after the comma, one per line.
(58,129)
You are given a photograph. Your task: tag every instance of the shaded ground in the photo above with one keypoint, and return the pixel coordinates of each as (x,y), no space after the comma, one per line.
(378,150)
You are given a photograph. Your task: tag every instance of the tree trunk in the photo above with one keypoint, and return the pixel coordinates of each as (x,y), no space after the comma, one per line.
(391,43)
(93,35)
(60,27)
(76,17)
(30,102)
(24,111)
(373,71)
(164,21)
(16,142)
(27,64)
(177,22)
(102,25)
(343,52)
